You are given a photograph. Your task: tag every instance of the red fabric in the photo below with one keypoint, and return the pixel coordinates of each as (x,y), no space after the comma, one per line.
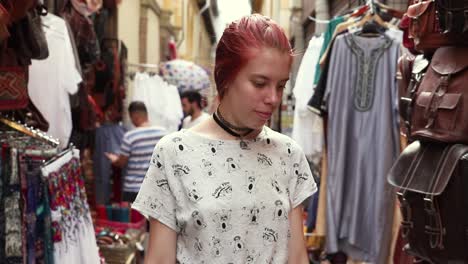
(407,41)
(399,255)
(172,50)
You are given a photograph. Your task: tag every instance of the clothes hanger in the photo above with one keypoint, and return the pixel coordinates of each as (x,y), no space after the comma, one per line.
(29,131)
(70,148)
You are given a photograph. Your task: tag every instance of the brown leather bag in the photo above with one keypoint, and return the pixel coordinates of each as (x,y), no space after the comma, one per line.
(411,69)
(424,27)
(431,183)
(441,109)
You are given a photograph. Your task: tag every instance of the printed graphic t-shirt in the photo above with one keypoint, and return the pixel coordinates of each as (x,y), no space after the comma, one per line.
(228,204)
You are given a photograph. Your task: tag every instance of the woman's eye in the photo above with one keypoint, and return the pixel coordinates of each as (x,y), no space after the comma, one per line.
(259,84)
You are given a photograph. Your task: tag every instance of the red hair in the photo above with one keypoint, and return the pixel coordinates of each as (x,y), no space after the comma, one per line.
(238,43)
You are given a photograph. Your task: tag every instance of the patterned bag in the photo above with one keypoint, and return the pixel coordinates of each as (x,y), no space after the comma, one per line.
(13,88)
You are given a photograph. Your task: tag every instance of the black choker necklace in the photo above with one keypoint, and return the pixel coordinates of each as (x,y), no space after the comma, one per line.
(226,126)
(229,125)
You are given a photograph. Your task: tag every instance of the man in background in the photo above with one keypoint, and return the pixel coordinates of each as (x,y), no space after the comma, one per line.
(136,150)
(192,107)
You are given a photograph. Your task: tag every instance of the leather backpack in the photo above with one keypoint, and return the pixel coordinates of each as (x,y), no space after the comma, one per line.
(410,72)
(425,29)
(431,182)
(453,15)
(440,111)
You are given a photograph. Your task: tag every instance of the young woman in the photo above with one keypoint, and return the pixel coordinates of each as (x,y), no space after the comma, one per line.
(229,190)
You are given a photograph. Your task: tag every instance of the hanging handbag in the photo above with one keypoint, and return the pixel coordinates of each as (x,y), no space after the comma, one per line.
(453,15)
(431,183)
(440,111)
(424,27)
(31,37)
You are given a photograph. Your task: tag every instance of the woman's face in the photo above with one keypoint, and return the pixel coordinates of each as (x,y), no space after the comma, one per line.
(257,90)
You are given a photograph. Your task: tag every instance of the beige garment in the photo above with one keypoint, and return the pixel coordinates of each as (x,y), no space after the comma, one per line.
(321,224)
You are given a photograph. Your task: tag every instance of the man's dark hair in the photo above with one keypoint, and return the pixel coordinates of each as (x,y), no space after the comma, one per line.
(192,96)
(137,106)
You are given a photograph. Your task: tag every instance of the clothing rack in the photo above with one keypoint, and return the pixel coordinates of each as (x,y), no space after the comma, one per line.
(318,21)
(29,131)
(143,65)
(70,148)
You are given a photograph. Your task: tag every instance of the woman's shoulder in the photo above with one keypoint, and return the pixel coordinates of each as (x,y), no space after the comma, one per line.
(172,138)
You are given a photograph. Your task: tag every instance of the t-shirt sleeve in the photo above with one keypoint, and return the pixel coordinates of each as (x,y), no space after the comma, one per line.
(302,184)
(155,198)
(126,146)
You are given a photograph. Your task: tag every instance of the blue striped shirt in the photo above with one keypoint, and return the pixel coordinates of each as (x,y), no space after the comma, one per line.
(138,145)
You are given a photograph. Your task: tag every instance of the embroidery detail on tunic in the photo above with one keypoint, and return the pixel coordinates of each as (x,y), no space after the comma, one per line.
(365,83)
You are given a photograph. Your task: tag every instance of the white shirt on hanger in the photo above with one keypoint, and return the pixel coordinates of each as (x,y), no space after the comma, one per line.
(162,101)
(52,80)
(307,127)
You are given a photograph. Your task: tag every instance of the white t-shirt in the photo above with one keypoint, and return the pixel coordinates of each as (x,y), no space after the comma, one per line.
(188,122)
(52,80)
(227,204)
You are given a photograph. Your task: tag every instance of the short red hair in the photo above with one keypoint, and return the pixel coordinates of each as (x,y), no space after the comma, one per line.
(238,43)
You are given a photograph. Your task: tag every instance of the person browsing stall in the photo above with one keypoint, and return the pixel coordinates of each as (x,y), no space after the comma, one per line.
(136,150)
(230,189)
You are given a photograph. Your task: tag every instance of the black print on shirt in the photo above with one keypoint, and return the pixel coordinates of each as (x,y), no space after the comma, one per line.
(301,178)
(216,247)
(198,245)
(251,256)
(223,191)
(263,160)
(237,244)
(289,149)
(156,160)
(180,147)
(280,212)
(180,170)
(213,149)
(181,225)
(207,168)
(267,142)
(253,214)
(269,236)
(194,196)
(251,183)
(276,186)
(284,167)
(198,221)
(223,221)
(164,186)
(231,165)
(152,203)
(296,169)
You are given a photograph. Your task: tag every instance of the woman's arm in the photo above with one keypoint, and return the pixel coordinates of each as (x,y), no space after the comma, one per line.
(297,246)
(162,244)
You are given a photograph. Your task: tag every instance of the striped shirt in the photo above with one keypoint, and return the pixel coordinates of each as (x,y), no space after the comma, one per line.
(138,145)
